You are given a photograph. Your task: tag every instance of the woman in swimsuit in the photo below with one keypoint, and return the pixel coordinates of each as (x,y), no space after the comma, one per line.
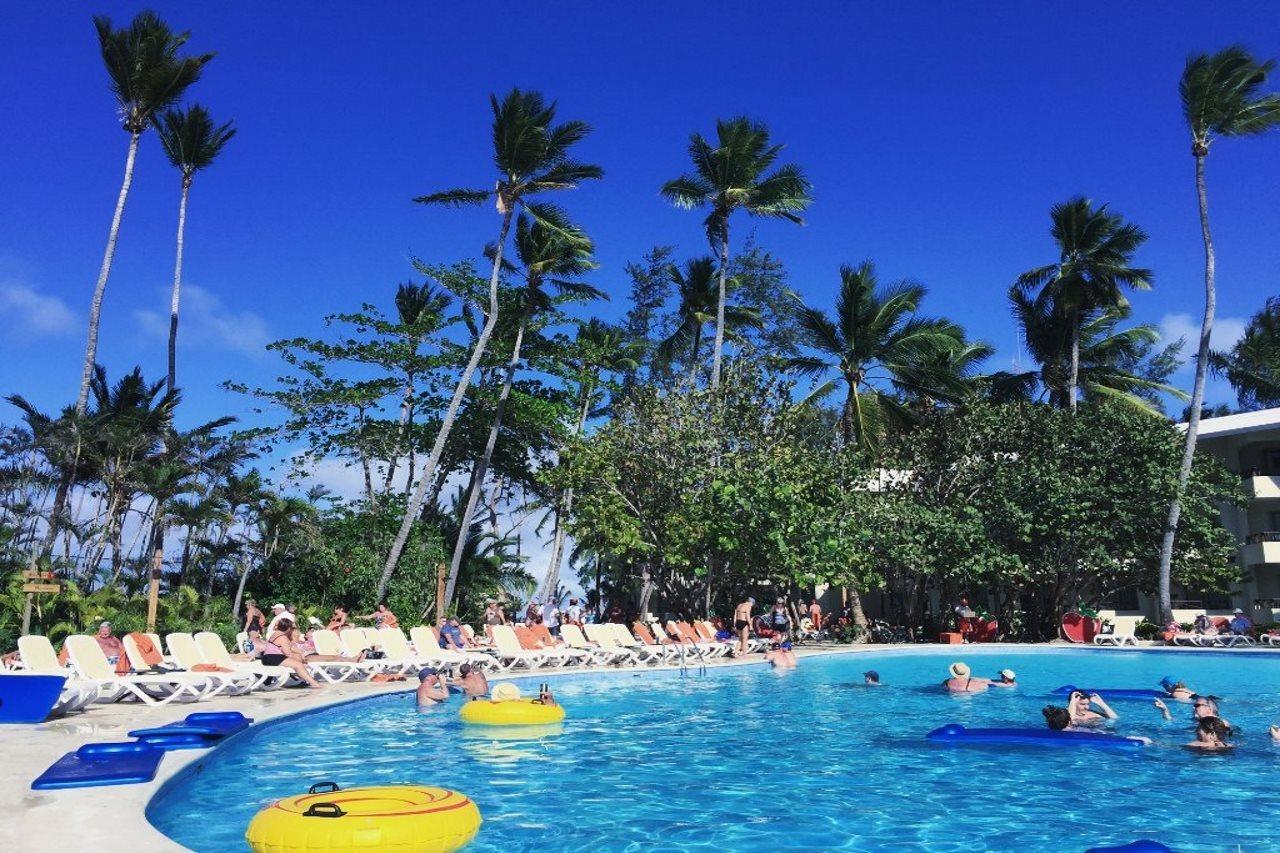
(254,619)
(961,681)
(1211,736)
(279,651)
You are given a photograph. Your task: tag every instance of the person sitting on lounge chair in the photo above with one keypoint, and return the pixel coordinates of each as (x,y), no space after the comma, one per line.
(451,635)
(1211,736)
(1240,625)
(1081,708)
(111,645)
(962,680)
(340,620)
(431,688)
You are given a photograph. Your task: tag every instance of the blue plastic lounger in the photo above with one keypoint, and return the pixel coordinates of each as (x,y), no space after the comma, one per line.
(96,764)
(954,733)
(1112,692)
(28,698)
(197,731)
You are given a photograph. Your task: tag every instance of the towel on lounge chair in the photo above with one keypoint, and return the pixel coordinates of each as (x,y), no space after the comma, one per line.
(209,667)
(150,654)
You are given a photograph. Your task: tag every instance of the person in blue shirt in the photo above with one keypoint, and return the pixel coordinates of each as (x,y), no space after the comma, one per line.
(1240,624)
(451,635)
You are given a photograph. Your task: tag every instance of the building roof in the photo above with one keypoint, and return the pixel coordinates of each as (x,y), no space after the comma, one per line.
(1263,419)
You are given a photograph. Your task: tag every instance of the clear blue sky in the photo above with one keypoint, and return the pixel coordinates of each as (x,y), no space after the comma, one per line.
(936,135)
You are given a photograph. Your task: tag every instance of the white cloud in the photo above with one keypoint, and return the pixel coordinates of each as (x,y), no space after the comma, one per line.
(1226,331)
(27,312)
(204,319)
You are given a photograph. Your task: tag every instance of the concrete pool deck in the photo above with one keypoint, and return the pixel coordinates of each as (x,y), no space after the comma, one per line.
(110,819)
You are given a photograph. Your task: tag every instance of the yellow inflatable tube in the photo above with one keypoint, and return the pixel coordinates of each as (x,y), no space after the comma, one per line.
(403,817)
(511,712)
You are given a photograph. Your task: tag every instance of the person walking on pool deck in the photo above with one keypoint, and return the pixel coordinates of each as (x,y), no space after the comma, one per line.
(962,680)
(742,623)
(431,689)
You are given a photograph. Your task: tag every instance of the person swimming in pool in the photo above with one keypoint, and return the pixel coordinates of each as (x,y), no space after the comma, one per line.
(1081,707)
(1177,690)
(1211,736)
(871,678)
(1059,720)
(962,680)
(1275,733)
(1005,678)
(1201,707)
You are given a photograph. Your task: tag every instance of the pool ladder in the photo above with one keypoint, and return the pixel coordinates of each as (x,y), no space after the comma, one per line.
(684,665)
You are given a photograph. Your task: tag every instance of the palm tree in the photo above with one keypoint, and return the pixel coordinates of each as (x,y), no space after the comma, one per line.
(420,309)
(192,142)
(1095,251)
(147,74)
(1252,366)
(698,289)
(532,156)
(1113,363)
(598,351)
(1220,97)
(553,251)
(879,346)
(729,177)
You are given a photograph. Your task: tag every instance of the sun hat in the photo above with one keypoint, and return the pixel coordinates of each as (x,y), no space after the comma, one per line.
(505,692)
(1009,674)
(277,606)
(959,669)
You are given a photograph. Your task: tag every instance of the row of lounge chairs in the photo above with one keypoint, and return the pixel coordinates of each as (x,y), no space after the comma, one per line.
(198,667)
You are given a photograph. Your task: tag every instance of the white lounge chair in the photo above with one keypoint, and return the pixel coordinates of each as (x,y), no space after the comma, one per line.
(186,653)
(605,642)
(89,660)
(357,640)
(509,653)
(645,653)
(39,658)
(426,644)
(1121,634)
(266,677)
(327,643)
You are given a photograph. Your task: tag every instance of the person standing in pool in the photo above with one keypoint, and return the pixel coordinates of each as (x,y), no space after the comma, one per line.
(1211,736)
(871,678)
(742,623)
(1082,707)
(431,688)
(962,680)
(472,681)
(781,656)
(1007,678)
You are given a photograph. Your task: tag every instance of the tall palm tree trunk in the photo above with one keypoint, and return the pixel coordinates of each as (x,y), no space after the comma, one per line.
(177,288)
(482,466)
(95,307)
(437,448)
(566,506)
(1074,380)
(1197,399)
(719,345)
(157,567)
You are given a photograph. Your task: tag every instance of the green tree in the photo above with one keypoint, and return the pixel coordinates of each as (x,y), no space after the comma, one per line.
(1220,97)
(147,74)
(531,153)
(879,346)
(1252,365)
(1095,257)
(192,142)
(698,289)
(731,176)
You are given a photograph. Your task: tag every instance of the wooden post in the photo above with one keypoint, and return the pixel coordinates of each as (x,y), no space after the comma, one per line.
(26,614)
(440,572)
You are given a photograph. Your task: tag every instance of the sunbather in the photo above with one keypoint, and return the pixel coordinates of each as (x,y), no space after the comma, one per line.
(382,617)
(340,619)
(962,681)
(291,645)
(1081,708)
(272,655)
(254,619)
(431,688)
(1211,736)
(111,645)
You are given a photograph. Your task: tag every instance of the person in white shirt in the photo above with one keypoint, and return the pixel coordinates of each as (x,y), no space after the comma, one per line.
(575,612)
(278,612)
(551,617)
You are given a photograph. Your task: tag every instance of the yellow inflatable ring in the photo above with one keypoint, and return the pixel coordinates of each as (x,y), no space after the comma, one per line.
(403,817)
(513,712)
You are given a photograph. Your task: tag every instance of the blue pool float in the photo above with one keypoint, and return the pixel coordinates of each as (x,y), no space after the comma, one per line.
(196,731)
(96,764)
(1142,845)
(954,733)
(1112,692)
(28,698)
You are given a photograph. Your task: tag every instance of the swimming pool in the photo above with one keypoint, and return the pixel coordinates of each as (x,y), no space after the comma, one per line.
(808,759)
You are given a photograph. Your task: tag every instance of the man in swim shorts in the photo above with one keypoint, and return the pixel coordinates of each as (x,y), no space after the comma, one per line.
(472,681)
(742,623)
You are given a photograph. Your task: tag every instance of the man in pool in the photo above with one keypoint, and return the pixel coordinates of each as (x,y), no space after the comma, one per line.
(431,688)
(472,681)
(742,623)
(1201,707)
(871,678)
(1005,678)
(781,655)
(1088,709)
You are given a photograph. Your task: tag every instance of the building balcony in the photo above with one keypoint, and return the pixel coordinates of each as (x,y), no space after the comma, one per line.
(1262,549)
(1262,487)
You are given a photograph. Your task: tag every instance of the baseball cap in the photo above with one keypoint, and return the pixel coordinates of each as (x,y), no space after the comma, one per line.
(427,671)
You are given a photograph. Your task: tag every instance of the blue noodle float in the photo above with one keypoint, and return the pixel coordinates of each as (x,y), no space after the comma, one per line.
(956,734)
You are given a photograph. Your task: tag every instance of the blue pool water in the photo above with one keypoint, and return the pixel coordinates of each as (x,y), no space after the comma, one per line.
(751,758)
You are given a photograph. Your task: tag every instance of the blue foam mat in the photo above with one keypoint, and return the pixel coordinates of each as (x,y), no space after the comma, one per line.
(954,733)
(213,725)
(97,764)
(1112,692)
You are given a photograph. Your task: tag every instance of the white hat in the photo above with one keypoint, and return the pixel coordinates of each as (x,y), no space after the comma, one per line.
(277,606)
(1008,674)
